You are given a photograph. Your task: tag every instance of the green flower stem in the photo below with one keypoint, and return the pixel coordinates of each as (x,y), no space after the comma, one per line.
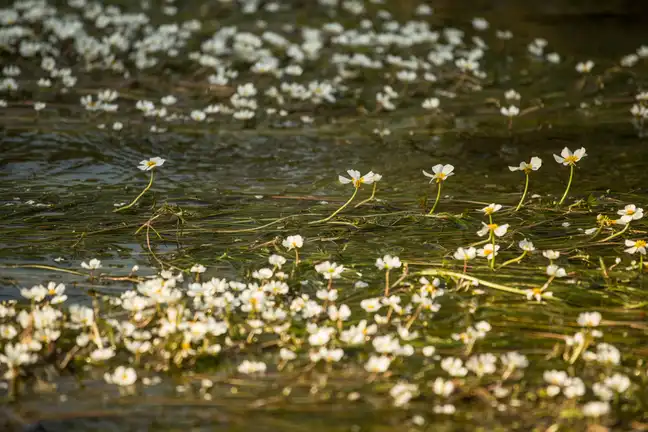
(457,275)
(597,232)
(608,238)
(436,201)
(640,263)
(587,340)
(138,196)
(526,188)
(296,257)
(514,260)
(355,192)
(479,243)
(373,194)
(571,177)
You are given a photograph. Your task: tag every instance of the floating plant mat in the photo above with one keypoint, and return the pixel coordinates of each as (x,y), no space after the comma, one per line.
(245,276)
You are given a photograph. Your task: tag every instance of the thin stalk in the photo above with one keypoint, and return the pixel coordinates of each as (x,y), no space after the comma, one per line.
(355,192)
(448,273)
(571,177)
(387,283)
(526,188)
(514,260)
(492,260)
(414,316)
(581,348)
(138,196)
(436,201)
(373,195)
(479,243)
(492,236)
(296,257)
(640,263)
(597,232)
(608,238)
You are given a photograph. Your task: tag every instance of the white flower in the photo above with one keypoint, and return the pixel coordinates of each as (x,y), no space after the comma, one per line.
(514,360)
(8,331)
(378,364)
(168,100)
(533,165)
(371,304)
(430,103)
(487,251)
(102,354)
(554,270)
(482,364)
(357,179)
(286,355)
(512,95)
(276,260)
(555,377)
(321,336)
(198,115)
(550,254)
(149,164)
(537,294)
(93,264)
(36,293)
(440,172)
(122,376)
(248,367)
(428,351)
(585,67)
(630,213)
(510,112)
(499,230)
(596,409)
(329,270)
(491,208)
(634,246)
(480,23)
(443,387)
(341,313)
(454,367)
(198,268)
(17,354)
(402,393)
(465,254)
(589,319)
(388,262)
(618,382)
(526,245)
(293,242)
(568,158)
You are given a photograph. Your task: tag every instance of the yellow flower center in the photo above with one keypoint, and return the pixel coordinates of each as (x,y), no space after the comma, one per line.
(630,212)
(572,159)
(150,164)
(441,176)
(640,243)
(492,226)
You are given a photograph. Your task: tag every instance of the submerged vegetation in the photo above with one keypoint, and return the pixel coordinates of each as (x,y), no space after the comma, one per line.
(496,307)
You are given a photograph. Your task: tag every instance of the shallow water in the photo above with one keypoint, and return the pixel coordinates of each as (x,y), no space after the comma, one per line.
(60,179)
